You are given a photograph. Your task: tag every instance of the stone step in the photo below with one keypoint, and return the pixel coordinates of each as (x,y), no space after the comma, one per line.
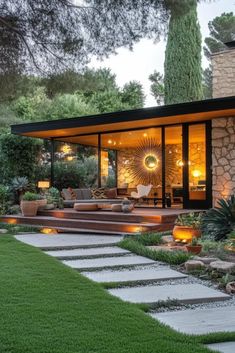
(67,241)
(140,275)
(225,347)
(87,253)
(200,321)
(107,262)
(184,293)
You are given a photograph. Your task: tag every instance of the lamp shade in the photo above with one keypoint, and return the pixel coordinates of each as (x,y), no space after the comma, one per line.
(43,184)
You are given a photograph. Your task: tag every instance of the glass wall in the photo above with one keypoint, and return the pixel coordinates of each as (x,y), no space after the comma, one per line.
(197,162)
(174,164)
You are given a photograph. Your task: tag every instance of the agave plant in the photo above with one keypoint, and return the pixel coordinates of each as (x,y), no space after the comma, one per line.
(19,185)
(219,221)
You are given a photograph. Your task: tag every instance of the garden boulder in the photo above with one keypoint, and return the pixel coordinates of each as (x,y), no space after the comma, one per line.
(205,260)
(223,266)
(193,265)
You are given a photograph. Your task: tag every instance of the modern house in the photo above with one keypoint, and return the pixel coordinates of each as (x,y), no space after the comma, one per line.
(186,151)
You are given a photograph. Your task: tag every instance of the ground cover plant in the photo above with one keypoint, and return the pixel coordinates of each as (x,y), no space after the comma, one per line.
(47,307)
(137,244)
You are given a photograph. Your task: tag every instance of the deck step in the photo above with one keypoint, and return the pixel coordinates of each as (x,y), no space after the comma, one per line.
(137,216)
(107,226)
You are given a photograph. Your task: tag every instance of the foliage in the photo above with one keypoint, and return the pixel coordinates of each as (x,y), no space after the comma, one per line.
(18,157)
(86,82)
(191,219)
(224,280)
(194,241)
(183,76)
(132,95)
(30,196)
(147,238)
(207,83)
(222,30)
(53,196)
(18,186)
(172,257)
(7,117)
(157,87)
(4,199)
(219,221)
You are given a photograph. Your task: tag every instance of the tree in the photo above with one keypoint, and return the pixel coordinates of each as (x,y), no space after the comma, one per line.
(207,83)
(157,87)
(52,34)
(87,82)
(183,76)
(132,95)
(222,30)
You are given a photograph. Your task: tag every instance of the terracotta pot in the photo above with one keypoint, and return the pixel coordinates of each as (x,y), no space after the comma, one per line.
(185,233)
(29,208)
(41,204)
(194,249)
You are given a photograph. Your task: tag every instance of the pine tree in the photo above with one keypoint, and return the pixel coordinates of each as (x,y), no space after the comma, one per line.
(183,75)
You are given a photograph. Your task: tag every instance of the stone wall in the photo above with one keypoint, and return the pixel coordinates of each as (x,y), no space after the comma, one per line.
(223,65)
(223,157)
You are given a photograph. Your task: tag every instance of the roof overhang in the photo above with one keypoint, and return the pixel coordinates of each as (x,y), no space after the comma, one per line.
(67,129)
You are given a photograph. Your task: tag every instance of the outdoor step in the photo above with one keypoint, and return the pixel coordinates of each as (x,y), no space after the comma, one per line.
(107,262)
(225,347)
(67,241)
(184,293)
(90,252)
(141,275)
(137,216)
(200,321)
(118,227)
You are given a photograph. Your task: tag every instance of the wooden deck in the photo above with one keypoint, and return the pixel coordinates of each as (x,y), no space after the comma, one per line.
(104,221)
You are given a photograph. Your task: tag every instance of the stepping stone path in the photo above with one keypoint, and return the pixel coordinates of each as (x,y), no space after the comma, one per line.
(87,253)
(92,253)
(200,321)
(138,275)
(225,347)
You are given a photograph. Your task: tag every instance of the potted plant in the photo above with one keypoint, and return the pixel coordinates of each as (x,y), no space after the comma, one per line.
(187,226)
(42,201)
(29,204)
(53,198)
(194,247)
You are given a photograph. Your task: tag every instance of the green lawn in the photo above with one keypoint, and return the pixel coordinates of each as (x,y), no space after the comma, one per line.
(49,308)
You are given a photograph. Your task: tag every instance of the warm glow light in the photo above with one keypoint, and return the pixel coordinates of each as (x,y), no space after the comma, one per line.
(109,141)
(70,158)
(145,134)
(151,162)
(196,173)
(48,231)
(12,221)
(179,163)
(66,149)
(43,184)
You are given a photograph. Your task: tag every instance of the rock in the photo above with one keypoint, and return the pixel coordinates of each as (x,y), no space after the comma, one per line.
(167,239)
(223,266)
(3,231)
(206,260)
(230,288)
(192,265)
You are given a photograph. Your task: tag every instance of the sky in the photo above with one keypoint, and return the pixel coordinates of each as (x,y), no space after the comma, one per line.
(148,56)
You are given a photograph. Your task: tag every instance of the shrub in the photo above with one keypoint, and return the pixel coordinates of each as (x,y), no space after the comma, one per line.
(219,221)
(4,199)
(190,220)
(18,157)
(147,238)
(30,196)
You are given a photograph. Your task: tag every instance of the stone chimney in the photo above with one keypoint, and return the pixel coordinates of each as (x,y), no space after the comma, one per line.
(223,72)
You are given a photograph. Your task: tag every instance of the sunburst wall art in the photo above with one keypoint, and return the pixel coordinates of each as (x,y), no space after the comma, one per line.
(144,163)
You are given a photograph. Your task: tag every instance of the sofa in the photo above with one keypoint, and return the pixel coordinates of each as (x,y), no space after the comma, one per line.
(96,195)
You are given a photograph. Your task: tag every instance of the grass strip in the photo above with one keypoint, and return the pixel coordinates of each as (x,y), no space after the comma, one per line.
(50,308)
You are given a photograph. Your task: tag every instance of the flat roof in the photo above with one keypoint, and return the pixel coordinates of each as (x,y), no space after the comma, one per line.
(68,129)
